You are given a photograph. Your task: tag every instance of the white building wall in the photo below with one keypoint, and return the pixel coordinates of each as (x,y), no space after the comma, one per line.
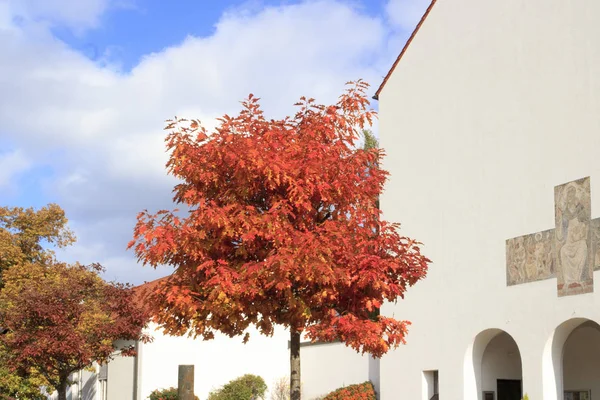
(326,367)
(120,382)
(216,362)
(493,104)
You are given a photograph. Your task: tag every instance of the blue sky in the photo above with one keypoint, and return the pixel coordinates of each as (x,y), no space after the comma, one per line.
(127,33)
(85,87)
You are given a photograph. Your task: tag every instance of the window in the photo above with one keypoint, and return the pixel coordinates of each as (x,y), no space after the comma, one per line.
(431,385)
(103,380)
(578,395)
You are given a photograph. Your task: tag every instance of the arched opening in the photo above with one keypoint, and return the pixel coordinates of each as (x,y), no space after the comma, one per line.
(493,367)
(571,363)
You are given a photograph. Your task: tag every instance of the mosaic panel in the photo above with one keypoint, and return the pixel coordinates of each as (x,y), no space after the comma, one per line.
(596,242)
(530,258)
(570,252)
(572,233)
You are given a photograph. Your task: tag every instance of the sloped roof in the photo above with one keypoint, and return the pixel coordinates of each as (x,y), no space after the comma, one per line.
(140,292)
(408,42)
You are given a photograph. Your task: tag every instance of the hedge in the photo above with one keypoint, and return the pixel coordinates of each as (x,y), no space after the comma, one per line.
(166,394)
(361,391)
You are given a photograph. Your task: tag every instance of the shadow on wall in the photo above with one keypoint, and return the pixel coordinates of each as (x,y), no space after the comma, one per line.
(571,359)
(89,388)
(493,354)
(374,373)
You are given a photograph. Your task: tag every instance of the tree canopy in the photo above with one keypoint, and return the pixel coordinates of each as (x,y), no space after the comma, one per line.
(25,231)
(282,228)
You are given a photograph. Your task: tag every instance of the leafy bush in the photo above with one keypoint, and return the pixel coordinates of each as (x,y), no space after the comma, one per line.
(166,394)
(361,391)
(247,387)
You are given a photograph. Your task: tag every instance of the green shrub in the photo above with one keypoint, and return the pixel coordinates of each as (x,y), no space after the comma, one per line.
(166,394)
(361,391)
(247,387)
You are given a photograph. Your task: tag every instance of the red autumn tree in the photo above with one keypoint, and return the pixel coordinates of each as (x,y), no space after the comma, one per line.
(282,227)
(61,318)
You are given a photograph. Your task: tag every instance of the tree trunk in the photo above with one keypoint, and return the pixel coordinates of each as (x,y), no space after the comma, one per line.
(295,393)
(62,389)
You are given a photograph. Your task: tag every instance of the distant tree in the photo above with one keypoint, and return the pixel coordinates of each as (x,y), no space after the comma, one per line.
(61,318)
(280,389)
(24,232)
(370,140)
(282,228)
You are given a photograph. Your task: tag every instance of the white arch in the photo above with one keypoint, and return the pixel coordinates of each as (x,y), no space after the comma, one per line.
(552,359)
(473,361)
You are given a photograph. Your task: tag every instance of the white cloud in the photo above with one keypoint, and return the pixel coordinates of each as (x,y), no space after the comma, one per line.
(77,15)
(107,125)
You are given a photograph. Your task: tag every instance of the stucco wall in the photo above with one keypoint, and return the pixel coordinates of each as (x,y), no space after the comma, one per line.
(494,104)
(216,362)
(326,367)
(120,382)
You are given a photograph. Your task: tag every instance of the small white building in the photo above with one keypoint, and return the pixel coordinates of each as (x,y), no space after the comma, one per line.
(216,362)
(490,119)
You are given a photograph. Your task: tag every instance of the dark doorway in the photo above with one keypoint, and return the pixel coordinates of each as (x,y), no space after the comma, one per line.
(509,389)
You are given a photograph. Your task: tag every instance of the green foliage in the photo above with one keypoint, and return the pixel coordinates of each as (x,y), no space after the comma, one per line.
(525,397)
(371,141)
(362,391)
(166,394)
(247,387)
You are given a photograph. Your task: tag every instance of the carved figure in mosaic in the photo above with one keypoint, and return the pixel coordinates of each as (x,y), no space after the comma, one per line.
(530,258)
(595,227)
(516,256)
(543,254)
(572,232)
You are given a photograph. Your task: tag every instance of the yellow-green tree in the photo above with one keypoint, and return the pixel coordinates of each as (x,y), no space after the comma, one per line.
(27,234)
(12,386)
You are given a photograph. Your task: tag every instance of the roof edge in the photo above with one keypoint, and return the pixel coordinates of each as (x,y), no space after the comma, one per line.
(408,42)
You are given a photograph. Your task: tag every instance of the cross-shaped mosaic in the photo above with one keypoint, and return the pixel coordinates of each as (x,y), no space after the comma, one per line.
(570,252)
